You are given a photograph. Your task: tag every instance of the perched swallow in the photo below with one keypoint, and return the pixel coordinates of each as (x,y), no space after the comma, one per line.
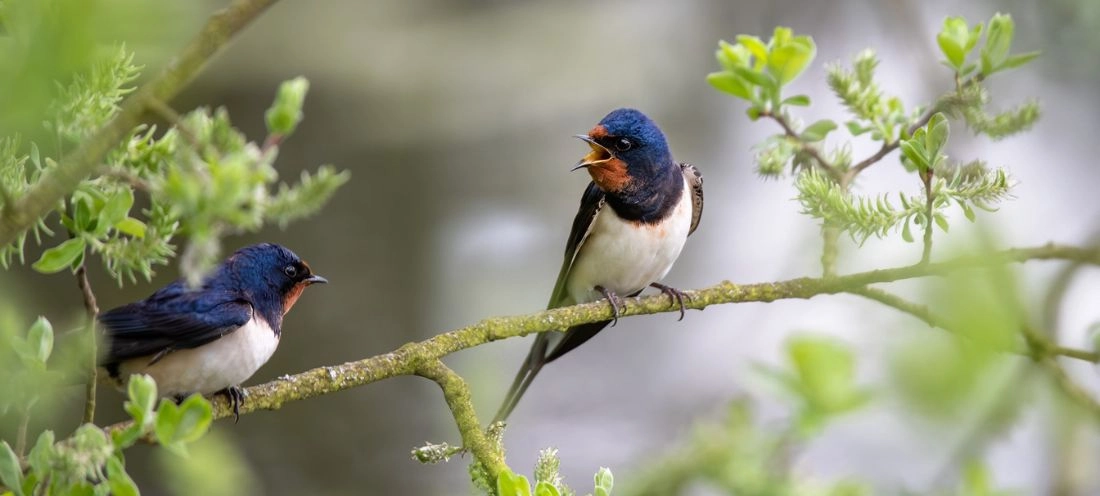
(211,338)
(632,223)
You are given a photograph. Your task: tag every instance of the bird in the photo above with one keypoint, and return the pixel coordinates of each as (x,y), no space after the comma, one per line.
(634,218)
(211,337)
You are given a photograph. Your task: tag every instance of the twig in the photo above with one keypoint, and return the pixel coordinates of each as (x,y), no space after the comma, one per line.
(21,434)
(60,181)
(91,309)
(929,210)
(457,394)
(806,147)
(404,361)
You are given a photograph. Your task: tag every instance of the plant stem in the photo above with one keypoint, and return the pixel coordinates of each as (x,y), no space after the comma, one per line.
(91,309)
(930,198)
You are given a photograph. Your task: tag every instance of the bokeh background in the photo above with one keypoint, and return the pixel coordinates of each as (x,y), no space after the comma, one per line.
(455,118)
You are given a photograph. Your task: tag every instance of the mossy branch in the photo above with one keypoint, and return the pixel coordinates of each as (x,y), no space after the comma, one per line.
(457,394)
(19,214)
(423,358)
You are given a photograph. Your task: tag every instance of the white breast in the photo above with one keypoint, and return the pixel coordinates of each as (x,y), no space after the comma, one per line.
(226,361)
(625,257)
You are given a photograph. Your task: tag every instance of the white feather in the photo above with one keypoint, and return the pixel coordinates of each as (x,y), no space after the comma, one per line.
(226,361)
(624,256)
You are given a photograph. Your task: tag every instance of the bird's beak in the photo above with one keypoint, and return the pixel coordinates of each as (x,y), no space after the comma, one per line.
(598,155)
(315,279)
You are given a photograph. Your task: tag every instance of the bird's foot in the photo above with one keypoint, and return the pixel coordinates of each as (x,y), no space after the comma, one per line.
(674,295)
(236,397)
(615,302)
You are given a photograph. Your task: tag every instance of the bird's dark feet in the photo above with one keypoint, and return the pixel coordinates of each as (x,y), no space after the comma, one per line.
(236,397)
(614,300)
(674,295)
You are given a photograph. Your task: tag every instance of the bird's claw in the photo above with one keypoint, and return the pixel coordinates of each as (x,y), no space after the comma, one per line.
(674,295)
(615,302)
(236,397)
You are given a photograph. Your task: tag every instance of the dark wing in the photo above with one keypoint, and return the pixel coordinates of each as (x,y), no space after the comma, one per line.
(591,203)
(695,181)
(173,318)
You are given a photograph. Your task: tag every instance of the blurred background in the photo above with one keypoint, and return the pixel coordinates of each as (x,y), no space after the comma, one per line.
(456,117)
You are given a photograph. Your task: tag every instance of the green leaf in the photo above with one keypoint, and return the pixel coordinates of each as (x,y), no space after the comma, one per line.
(544,488)
(953,40)
(729,82)
(855,128)
(131,227)
(142,398)
(178,425)
(59,257)
(116,208)
(906,234)
(118,480)
(40,339)
(511,484)
(936,136)
(818,130)
(799,100)
(967,211)
(998,40)
(826,371)
(730,56)
(755,77)
(604,482)
(787,62)
(286,112)
(1019,59)
(914,151)
(196,414)
(11,475)
(940,221)
(755,46)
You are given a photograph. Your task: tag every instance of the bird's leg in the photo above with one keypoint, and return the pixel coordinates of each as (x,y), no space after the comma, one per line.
(614,300)
(236,397)
(674,296)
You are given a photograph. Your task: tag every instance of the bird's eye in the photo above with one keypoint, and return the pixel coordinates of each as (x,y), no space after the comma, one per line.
(290,271)
(624,144)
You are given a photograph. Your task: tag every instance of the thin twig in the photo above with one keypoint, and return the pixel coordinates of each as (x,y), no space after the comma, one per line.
(806,147)
(929,210)
(21,434)
(457,394)
(60,181)
(404,361)
(91,309)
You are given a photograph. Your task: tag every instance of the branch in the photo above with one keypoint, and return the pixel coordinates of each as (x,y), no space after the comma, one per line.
(457,394)
(91,308)
(1038,345)
(408,359)
(63,179)
(806,147)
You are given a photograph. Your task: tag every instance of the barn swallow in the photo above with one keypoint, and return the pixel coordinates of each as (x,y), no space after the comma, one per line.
(210,338)
(633,220)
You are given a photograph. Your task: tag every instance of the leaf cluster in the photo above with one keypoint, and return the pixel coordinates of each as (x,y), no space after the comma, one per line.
(89,461)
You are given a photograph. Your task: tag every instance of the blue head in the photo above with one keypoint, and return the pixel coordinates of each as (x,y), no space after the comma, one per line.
(273,276)
(628,151)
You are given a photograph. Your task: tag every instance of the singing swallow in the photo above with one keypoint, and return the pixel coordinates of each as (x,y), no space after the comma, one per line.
(210,338)
(633,220)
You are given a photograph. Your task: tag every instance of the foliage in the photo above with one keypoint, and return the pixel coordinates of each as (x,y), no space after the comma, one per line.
(89,461)
(823,179)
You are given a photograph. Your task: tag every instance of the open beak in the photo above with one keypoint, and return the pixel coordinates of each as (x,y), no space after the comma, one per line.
(598,155)
(315,279)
